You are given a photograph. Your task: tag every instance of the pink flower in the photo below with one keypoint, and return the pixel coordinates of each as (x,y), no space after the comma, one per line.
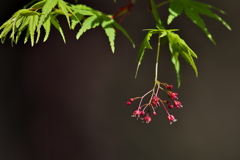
(136,113)
(155,101)
(171,118)
(147,118)
(178,104)
(173,95)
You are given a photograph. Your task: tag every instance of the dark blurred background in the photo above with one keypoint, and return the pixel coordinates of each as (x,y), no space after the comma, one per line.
(67,101)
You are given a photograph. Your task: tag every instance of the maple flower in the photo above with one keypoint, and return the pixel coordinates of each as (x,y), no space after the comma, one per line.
(177,104)
(136,113)
(147,118)
(145,110)
(171,118)
(173,95)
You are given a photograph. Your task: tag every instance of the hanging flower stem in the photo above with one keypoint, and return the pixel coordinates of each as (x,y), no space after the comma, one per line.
(144,111)
(157,58)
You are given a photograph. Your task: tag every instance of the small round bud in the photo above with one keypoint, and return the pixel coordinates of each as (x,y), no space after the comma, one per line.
(129,103)
(154,113)
(142,113)
(131,99)
(170,106)
(169,87)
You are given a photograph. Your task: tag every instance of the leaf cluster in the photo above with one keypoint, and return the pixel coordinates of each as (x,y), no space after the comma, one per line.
(92,19)
(193,10)
(43,14)
(177,46)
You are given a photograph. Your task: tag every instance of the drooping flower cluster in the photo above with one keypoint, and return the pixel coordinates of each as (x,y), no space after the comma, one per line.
(144,111)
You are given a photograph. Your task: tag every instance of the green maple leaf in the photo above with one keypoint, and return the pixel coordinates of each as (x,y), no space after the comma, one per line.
(193,10)
(92,19)
(145,45)
(178,47)
(155,14)
(108,26)
(46,10)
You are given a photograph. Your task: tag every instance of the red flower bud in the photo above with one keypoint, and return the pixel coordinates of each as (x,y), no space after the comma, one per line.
(169,87)
(131,99)
(142,113)
(129,103)
(170,106)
